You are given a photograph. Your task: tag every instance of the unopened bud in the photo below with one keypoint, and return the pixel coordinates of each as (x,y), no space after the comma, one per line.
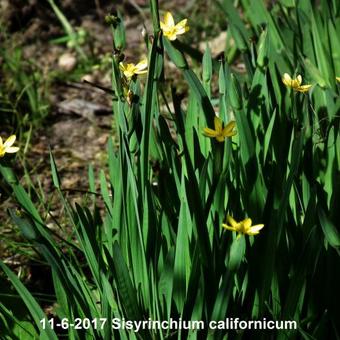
(113,20)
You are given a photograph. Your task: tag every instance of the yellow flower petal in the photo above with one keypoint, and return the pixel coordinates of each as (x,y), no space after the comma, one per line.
(141,66)
(250,233)
(218,124)
(122,66)
(210,132)
(228,227)
(298,80)
(12,149)
(162,24)
(338,79)
(228,130)
(172,36)
(1,141)
(169,20)
(10,141)
(256,228)
(141,72)
(303,88)
(231,221)
(182,27)
(287,80)
(246,223)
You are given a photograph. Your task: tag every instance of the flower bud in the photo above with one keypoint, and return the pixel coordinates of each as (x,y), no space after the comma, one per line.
(113,20)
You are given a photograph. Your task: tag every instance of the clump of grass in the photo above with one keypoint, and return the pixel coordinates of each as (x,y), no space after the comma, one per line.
(73,38)
(23,90)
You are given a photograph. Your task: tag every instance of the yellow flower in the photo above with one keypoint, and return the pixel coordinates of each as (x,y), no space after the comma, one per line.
(295,84)
(220,133)
(337,79)
(170,30)
(243,227)
(129,70)
(7,146)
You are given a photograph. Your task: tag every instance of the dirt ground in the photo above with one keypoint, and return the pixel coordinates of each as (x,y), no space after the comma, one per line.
(79,120)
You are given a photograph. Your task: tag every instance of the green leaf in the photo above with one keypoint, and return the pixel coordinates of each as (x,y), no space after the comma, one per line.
(331,233)
(237,251)
(126,291)
(268,136)
(25,226)
(8,174)
(315,73)
(31,303)
(55,175)
(182,254)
